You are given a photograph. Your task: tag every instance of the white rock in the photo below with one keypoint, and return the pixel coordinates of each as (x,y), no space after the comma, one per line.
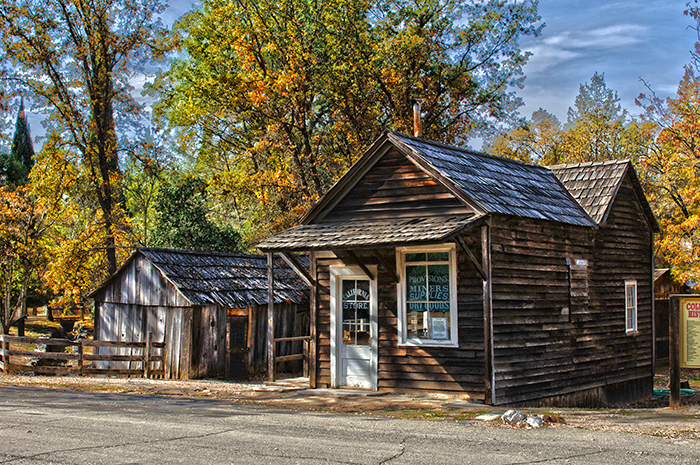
(534,421)
(513,417)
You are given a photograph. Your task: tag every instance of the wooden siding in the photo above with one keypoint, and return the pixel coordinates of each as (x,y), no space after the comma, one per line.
(396,188)
(543,345)
(140,283)
(131,323)
(208,351)
(408,367)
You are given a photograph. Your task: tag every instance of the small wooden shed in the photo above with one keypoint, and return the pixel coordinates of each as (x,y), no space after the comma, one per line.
(664,286)
(209,308)
(439,268)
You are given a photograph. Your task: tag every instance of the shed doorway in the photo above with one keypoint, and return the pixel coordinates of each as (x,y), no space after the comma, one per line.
(354,339)
(237,346)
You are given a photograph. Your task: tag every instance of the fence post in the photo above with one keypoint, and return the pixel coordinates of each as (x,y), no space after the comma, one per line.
(305,352)
(80,358)
(147,360)
(4,346)
(674,352)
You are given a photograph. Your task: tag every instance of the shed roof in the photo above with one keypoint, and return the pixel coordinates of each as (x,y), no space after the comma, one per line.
(595,186)
(229,280)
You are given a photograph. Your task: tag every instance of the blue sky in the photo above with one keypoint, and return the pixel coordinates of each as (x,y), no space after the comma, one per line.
(626,40)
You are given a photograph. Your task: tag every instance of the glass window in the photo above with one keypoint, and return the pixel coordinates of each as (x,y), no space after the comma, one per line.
(356,312)
(428,281)
(631,306)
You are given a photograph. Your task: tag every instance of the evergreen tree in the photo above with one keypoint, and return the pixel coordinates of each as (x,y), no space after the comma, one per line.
(182,222)
(15,168)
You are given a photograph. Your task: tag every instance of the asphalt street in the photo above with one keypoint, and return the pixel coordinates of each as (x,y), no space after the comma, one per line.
(49,426)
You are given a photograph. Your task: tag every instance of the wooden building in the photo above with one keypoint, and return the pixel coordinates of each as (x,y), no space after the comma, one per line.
(209,308)
(439,268)
(664,287)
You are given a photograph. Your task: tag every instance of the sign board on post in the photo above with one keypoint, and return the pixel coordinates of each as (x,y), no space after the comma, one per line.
(690,332)
(684,340)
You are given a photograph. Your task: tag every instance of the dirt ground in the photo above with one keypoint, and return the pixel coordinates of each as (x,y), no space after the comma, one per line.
(651,417)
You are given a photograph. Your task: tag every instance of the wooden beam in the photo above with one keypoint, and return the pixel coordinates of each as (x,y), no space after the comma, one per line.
(383,263)
(361,264)
(471,256)
(674,351)
(312,322)
(490,394)
(270,316)
(297,267)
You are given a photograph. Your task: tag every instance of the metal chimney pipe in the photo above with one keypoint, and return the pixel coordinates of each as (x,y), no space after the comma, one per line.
(417,122)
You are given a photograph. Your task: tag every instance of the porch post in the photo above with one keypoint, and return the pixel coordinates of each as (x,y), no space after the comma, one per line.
(312,321)
(489,381)
(270,317)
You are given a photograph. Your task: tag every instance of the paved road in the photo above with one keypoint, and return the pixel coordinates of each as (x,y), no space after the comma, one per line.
(62,427)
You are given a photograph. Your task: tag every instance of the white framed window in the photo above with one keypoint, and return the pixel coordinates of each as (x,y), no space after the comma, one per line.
(427,295)
(631,306)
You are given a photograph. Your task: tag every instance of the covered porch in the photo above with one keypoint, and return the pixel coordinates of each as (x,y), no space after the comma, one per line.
(394,304)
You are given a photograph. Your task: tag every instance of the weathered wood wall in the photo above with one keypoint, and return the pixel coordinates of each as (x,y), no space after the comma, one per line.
(624,250)
(287,319)
(409,367)
(139,300)
(396,188)
(548,342)
(131,323)
(208,352)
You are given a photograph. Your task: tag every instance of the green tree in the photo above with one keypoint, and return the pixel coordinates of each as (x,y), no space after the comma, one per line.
(538,140)
(276,98)
(15,168)
(182,219)
(75,58)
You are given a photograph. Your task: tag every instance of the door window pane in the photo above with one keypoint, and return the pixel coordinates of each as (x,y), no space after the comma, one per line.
(356,301)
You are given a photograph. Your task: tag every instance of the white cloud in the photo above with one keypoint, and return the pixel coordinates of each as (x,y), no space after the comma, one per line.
(552,51)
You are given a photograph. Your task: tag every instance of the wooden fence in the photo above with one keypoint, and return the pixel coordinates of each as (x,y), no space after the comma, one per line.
(304,355)
(79,360)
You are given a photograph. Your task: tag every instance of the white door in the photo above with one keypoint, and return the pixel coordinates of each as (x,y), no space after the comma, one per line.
(355,324)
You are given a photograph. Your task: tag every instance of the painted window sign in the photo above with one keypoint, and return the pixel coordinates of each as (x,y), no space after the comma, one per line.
(356,301)
(428,295)
(690,333)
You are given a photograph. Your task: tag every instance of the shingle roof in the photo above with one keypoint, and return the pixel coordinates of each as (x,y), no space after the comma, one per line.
(230,280)
(495,184)
(593,185)
(394,232)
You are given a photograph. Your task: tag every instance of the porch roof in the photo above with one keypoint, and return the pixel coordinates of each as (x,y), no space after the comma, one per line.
(370,234)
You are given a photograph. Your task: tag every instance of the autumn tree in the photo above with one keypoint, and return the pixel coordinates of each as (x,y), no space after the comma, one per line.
(23,221)
(278,97)
(669,170)
(597,129)
(75,59)
(671,177)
